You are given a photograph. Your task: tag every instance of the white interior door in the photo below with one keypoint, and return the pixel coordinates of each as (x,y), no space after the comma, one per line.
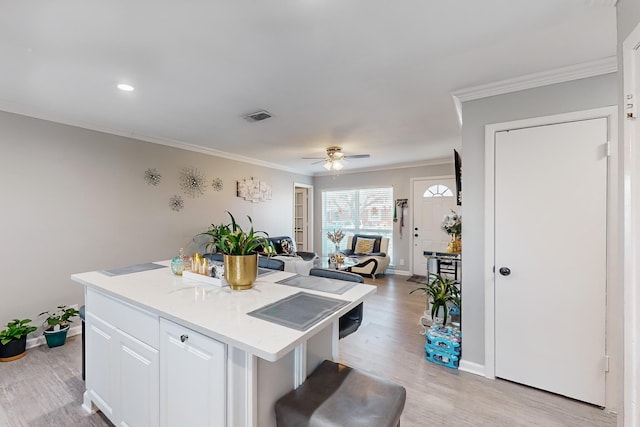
(550,232)
(433,198)
(302,218)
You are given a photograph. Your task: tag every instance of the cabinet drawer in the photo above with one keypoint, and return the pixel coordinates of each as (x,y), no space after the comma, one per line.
(138,323)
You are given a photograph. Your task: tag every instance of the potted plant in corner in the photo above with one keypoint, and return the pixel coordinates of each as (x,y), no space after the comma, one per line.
(240,253)
(57,325)
(442,293)
(13,340)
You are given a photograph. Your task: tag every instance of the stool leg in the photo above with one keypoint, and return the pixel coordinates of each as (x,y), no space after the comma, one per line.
(83,362)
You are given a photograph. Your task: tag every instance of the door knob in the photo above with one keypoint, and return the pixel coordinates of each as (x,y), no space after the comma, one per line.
(505,271)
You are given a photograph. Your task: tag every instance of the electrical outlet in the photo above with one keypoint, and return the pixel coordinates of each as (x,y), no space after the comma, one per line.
(401,261)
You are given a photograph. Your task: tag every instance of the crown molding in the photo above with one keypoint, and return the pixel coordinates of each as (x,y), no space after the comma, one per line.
(528,81)
(23,110)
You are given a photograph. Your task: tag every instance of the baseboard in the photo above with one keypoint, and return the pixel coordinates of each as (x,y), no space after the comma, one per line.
(472,368)
(398,272)
(35,342)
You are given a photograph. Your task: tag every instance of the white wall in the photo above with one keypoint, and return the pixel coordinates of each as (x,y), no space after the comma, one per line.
(628,17)
(576,95)
(399,179)
(75,200)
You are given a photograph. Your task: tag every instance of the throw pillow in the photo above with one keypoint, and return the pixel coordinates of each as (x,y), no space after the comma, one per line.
(286,247)
(364,246)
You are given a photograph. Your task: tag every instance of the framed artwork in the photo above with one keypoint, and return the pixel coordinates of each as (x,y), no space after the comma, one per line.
(253,190)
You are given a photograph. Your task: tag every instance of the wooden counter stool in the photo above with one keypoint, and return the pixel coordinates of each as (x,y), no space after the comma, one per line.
(337,395)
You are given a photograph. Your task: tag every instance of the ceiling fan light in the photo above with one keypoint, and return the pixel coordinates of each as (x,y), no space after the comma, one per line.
(328,165)
(337,165)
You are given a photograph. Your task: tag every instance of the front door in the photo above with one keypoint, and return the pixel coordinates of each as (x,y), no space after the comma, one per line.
(551,258)
(433,198)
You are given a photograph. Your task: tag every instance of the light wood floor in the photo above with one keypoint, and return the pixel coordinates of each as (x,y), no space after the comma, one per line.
(389,344)
(45,388)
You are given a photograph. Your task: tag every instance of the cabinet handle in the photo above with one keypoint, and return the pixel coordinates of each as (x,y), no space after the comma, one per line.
(183,338)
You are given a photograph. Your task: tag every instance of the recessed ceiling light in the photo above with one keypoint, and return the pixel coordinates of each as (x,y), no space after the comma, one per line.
(125,87)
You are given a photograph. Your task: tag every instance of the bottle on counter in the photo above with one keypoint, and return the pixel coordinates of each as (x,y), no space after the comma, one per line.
(177,263)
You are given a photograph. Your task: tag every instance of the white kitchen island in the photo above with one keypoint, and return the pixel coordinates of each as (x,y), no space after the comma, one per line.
(162,350)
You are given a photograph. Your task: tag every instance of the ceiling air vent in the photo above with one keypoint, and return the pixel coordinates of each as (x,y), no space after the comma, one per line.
(257,116)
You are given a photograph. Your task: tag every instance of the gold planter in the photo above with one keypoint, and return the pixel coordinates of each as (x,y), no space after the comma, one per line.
(241,271)
(455,245)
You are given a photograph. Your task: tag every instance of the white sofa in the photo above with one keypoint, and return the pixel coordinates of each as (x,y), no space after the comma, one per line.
(294,261)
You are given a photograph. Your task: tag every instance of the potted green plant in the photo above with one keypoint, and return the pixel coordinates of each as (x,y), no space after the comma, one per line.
(13,339)
(240,253)
(215,232)
(57,325)
(442,293)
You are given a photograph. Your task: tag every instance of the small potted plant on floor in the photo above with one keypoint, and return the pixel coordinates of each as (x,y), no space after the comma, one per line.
(442,293)
(57,325)
(13,340)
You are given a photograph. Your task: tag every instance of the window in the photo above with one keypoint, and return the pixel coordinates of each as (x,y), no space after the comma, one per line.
(438,190)
(363,211)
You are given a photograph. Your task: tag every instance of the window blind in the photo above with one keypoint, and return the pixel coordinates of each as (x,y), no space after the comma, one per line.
(363,211)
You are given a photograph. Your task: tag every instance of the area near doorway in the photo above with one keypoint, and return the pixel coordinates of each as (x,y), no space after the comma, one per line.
(433,198)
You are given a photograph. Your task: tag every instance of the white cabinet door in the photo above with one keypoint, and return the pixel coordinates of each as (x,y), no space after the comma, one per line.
(139,390)
(192,378)
(100,342)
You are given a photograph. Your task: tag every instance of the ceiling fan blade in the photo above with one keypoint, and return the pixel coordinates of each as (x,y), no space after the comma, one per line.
(319,161)
(357,156)
(313,158)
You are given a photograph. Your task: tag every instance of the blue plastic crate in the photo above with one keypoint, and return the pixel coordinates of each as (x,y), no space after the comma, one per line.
(444,330)
(442,339)
(443,359)
(444,345)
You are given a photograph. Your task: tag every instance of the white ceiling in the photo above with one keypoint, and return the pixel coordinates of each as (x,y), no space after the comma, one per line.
(372,76)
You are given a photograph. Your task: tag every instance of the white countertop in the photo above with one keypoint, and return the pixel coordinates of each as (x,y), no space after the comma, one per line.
(219,312)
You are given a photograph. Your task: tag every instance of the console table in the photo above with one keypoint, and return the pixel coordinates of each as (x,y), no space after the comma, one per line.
(445,263)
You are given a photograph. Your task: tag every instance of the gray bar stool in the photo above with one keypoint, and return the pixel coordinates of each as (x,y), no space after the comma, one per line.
(336,395)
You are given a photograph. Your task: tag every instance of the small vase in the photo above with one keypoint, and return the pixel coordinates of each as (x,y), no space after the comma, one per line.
(337,248)
(177,266)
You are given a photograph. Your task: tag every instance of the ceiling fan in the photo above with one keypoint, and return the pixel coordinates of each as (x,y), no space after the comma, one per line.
(334,158)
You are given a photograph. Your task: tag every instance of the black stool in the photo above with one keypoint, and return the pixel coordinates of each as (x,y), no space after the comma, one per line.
(82,317)
(337,395)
